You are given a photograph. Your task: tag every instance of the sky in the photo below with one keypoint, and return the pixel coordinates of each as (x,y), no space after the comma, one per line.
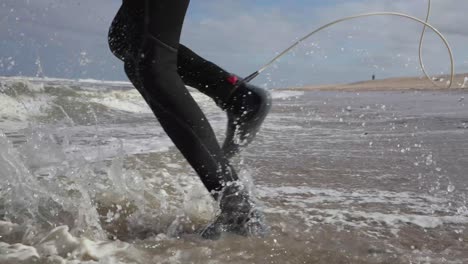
(68,39)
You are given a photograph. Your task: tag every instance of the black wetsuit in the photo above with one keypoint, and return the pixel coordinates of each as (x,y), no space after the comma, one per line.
(145,35)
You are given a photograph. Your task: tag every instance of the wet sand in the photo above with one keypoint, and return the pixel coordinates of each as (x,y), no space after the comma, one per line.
(395,84)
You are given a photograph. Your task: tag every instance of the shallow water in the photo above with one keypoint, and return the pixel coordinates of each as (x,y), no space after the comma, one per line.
(88,176)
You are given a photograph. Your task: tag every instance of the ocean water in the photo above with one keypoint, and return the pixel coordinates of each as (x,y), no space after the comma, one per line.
(88,176)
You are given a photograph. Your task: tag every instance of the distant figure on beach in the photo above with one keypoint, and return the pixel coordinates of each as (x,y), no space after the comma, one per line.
(373,77)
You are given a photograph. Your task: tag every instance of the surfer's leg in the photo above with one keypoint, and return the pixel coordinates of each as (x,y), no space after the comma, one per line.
(245,104)
(153,71)
(154,74)
(165,92)
(206,76)
(238,214)
(127,30)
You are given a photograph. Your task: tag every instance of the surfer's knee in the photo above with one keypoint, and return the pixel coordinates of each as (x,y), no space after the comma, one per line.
(116,37)
(126,32)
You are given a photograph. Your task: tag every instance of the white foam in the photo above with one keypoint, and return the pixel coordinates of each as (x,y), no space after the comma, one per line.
(286,94)
(6,228)
(60,244)
(129,101)
(17,254)
(347,217)
(67,81)
(364,195)
(11,109)
(104,82)
(132,101)
(306,203)
(128,146)
(16,111)
(20,109)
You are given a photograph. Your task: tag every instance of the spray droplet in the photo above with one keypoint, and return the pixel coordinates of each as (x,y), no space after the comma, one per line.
(451,188)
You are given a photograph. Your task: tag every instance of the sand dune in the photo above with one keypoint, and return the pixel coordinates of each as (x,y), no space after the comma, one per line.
(404,83)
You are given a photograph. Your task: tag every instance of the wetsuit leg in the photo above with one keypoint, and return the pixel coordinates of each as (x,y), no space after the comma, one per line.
(245,104)
(153,70)
(125,38)
(206,76)
(154,73)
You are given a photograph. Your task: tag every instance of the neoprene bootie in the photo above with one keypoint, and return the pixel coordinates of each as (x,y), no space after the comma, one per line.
(246,109)
(238,215)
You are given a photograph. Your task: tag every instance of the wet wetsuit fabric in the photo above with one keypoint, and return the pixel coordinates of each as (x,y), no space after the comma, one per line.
(159,67)
(127,33)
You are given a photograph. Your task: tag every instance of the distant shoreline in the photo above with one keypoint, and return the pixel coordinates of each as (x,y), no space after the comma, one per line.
(390,84)
(393,84)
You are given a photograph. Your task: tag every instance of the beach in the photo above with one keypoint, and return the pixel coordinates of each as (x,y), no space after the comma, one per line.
(371,172)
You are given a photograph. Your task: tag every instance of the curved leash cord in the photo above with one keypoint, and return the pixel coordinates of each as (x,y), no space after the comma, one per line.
(449,49)
(421,42)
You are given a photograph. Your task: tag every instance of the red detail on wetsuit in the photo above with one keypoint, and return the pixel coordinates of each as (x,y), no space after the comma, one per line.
(233,79)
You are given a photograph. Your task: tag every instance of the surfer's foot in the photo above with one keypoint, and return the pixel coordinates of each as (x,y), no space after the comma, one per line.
(239,216)
(247,109)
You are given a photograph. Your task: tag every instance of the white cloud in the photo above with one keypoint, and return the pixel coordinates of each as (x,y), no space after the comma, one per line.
(241,36)
(237,33)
